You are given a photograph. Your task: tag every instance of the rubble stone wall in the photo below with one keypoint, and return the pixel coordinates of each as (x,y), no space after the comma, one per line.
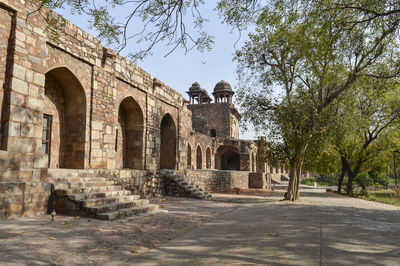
(217,180)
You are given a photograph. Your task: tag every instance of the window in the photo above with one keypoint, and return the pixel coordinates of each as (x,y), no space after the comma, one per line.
(213,133)
(46,134)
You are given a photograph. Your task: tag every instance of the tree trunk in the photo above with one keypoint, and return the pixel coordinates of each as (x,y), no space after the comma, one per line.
(296,165)
(341,180)
(349,188)
(344,170)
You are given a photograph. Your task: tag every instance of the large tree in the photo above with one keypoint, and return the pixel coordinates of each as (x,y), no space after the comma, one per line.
(312,54)
(366,125)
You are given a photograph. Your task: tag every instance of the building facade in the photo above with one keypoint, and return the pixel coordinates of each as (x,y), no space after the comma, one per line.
(70,103)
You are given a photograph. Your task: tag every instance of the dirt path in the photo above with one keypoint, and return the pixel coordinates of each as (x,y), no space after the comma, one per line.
(88,241)
(320,229)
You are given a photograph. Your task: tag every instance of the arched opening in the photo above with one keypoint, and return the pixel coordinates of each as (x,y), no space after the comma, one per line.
(129,135)
(199,158)
(227,158)
(213,133)
(208,158)
(64,120)
(189,157)
(168,143)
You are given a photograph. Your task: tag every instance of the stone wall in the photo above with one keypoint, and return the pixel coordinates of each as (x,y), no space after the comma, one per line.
(89,92)
(260,181)
(217,180)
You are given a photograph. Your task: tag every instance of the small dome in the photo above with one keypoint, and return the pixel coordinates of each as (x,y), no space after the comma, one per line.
(195,87)
(223,86)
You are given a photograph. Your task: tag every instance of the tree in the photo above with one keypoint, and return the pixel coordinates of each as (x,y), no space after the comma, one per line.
(174,23)
(309,52)
(366,125)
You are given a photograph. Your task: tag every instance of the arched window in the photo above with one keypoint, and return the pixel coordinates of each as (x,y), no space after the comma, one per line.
(199,158)
(213,133)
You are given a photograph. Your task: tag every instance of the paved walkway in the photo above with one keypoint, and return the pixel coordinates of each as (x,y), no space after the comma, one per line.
(322,229)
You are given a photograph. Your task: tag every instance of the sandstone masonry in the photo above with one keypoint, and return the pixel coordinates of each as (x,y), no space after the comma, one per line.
(70,103)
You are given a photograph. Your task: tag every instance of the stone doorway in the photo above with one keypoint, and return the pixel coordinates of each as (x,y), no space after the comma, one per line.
(199,158)
(168,143)
(129,135)
(227,158)
(65,102)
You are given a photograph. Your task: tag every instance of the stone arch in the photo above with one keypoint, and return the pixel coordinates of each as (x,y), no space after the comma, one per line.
(227,158)
(199,158)
(189,157)
(213,133)
(168,143)
(64,112)
(208,158)
(129,135)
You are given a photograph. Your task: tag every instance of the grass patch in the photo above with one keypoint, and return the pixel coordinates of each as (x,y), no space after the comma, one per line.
(388,196)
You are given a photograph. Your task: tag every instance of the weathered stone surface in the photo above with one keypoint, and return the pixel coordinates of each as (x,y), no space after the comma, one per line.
(66,104)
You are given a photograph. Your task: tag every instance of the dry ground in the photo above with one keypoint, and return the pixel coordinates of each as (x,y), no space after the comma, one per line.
(70,240)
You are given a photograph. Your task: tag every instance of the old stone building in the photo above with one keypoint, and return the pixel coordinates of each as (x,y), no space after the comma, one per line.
(70,108)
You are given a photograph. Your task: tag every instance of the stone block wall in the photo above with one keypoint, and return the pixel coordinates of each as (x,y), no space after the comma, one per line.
(217,180)
(260,181)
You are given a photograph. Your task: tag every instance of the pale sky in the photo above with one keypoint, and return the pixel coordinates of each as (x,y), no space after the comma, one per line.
(178,70)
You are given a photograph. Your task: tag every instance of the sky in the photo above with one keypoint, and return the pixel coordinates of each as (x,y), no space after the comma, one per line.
(180,70)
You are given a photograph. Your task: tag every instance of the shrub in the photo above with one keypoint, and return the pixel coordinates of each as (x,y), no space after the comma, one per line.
(364,181)
(382,180)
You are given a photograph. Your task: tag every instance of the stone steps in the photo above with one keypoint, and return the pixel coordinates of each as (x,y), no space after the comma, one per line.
(126,212)
(86,194)
(190,189)
(67,190)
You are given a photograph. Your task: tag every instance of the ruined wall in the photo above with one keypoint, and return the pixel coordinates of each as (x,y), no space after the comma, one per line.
(217,180)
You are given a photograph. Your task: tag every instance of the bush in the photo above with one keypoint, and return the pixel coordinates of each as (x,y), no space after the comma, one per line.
(382,180)
(364,181)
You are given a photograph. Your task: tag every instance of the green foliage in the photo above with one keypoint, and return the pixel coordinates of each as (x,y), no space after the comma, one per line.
(382,180)
(322,181)
(148,22)
(364,181)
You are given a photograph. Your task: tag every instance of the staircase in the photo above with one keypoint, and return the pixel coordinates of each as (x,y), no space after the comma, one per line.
(176,185)
(84,193)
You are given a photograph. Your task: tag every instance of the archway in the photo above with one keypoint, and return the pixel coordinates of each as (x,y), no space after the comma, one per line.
(227,158)
(168,143)
(189,157)
(199,158)
(208,158)
(129,135)
(64,120)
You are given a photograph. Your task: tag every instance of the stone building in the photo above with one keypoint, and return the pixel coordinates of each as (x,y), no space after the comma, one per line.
(70,103)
